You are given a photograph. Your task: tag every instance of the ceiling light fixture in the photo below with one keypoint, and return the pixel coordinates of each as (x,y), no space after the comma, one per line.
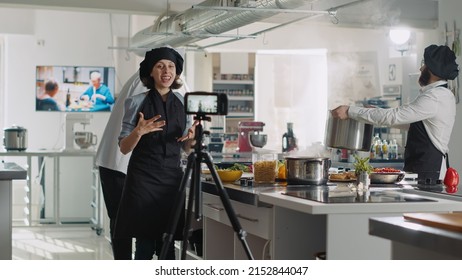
(400,36)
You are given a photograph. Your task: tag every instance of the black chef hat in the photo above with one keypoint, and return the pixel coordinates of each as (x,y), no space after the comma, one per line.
(154,55)
(441,61)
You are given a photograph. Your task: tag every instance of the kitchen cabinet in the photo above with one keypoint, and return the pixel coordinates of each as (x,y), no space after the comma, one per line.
(221,242)
(272,232)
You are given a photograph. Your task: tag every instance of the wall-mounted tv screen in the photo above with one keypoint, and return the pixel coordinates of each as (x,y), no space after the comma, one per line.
(74,88)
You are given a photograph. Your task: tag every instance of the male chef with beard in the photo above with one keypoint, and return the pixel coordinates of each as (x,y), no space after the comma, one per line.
(429,118)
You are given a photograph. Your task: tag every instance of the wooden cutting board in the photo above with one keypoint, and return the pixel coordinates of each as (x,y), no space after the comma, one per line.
(449,221)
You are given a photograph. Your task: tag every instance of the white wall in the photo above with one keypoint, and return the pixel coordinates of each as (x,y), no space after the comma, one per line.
(56,38)
(449,12)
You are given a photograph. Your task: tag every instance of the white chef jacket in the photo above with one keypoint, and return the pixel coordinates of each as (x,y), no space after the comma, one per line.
(108,154)
(435,106)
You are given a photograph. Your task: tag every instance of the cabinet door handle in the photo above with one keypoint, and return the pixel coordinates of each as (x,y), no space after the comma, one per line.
(247,218)
(213,206)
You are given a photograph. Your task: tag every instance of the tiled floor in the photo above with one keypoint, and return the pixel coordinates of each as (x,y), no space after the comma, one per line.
(59,243)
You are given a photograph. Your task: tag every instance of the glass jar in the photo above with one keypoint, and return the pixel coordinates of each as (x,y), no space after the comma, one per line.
(264,167)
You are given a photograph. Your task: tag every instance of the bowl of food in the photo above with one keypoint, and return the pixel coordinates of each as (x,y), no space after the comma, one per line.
(386,176)
(229,175)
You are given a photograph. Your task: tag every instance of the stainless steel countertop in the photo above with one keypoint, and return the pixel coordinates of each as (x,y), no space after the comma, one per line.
(243,194)
(426,237)
(12,171)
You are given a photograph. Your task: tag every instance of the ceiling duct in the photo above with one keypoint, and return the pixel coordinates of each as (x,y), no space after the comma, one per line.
(193,25)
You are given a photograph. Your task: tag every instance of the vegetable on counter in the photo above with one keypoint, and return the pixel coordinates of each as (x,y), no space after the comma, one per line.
(386,170)
(236,166)
(451,179)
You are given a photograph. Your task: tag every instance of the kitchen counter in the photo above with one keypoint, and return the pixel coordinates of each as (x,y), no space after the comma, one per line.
(416,241)
(344,227)
(8,172)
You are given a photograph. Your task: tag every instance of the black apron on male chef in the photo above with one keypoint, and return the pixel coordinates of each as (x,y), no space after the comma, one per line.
(154,174)
(421,156)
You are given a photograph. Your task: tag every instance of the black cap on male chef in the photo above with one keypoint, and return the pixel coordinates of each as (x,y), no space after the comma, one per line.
(152,57)
(441,61)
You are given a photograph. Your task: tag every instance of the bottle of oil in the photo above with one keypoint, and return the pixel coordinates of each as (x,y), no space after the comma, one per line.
(289,142)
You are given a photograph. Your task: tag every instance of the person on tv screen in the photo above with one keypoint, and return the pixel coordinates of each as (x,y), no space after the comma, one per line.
(46,102)
(98,93)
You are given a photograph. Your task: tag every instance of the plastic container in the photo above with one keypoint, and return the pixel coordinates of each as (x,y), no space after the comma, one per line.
(264,167)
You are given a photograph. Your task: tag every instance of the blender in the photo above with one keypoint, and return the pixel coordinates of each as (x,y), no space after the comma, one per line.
(248,138)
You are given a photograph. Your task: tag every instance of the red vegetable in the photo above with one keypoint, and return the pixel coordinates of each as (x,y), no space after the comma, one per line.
(451,179)
(452,189)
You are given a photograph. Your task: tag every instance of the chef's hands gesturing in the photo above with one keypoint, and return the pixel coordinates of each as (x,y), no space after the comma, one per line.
(150,125)
(341,112)
(191,132)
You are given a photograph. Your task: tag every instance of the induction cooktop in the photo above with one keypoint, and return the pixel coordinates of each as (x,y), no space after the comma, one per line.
(325,194)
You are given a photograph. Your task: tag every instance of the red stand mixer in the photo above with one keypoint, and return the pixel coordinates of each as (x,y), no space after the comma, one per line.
(246,131)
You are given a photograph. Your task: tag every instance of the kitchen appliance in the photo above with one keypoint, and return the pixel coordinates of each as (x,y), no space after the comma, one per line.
(307,170)
(15,138)
(326,194)
(85,139)
(246,129)
(289,142)
(72,123)
(348,134)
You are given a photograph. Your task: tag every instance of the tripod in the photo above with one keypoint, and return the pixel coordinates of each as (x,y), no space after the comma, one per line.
(195,195)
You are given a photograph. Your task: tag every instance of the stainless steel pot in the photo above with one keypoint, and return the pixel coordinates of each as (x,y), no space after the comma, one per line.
(15,138)
(348,134)
(307,170)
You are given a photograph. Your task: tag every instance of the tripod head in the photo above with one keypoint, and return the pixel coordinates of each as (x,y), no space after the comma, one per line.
(199,132)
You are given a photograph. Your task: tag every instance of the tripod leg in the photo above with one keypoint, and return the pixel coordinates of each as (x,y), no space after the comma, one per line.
(228,207)
(187,225)
(168,235)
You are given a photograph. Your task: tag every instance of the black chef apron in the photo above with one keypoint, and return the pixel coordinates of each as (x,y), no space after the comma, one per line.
(154,174)
(421,156)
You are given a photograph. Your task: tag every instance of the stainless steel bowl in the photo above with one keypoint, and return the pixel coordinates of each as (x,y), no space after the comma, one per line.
(386,178)
(85,139)
(258,140)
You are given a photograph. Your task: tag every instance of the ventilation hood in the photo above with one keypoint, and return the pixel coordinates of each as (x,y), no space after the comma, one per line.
(212,18)
(217,18)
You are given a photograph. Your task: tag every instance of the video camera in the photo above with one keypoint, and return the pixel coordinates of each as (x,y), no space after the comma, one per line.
(206,103)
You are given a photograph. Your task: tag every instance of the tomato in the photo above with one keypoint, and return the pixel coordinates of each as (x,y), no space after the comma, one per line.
(451,189)
(386,170)
(451,179)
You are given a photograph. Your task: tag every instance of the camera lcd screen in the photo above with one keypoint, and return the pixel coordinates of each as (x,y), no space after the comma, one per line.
(202,104)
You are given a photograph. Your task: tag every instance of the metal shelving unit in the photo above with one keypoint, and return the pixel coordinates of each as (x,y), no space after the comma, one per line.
(54,158)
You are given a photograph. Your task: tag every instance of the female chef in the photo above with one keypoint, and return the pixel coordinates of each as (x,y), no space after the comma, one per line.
(154,130)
